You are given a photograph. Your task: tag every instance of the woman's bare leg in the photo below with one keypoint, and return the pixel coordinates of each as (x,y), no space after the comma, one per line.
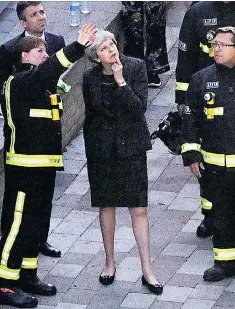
(107,224)
(140,225)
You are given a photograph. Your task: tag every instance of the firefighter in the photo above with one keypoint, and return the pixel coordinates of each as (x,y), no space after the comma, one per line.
(32,146)
(209,146)
(195,53)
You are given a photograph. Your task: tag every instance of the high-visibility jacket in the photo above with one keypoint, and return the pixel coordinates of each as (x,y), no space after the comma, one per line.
(32,111)
(208,132)
(196,33)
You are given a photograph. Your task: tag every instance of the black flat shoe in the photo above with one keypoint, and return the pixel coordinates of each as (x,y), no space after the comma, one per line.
(106,280)
(154,288)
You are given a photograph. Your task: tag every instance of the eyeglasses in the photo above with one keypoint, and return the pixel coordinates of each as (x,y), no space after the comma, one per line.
(220,45)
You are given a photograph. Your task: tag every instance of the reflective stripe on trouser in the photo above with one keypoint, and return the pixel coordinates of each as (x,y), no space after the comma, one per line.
(22,253)
(29,263)
(224,254)
(206,205)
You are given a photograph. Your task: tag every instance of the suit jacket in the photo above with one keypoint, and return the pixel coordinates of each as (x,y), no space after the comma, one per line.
(55,42)
(126,127)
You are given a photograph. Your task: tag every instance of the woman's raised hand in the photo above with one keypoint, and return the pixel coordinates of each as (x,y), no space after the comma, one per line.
(86,35)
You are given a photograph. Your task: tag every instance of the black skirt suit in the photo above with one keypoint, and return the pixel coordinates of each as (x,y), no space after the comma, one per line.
(116,135)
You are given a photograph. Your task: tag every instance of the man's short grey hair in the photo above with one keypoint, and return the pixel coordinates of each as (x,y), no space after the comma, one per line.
(101,35)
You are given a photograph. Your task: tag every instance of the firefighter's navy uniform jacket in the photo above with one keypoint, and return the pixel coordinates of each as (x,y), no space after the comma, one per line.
(209,136)
(194,50)
(32,155)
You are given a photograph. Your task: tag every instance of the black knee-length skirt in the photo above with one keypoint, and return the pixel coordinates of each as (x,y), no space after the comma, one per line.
(118,182)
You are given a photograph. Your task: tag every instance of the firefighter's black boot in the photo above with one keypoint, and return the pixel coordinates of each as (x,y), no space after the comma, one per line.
(17,298)
(220,271)
(30,283)
(204,229)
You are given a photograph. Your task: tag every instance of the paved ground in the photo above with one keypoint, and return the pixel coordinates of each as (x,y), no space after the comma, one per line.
(179,257)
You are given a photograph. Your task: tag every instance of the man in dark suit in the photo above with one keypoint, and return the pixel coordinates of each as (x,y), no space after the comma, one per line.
(33,19)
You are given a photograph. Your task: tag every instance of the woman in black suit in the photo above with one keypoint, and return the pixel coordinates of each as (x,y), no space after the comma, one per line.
(116,140)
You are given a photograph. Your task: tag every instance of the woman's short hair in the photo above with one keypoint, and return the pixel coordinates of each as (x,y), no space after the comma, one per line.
(101,35)
(26,44)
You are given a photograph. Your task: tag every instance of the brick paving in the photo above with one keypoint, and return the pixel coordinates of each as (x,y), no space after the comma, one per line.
(179,257)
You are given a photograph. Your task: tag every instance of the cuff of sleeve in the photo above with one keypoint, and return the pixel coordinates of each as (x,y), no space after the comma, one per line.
(190,157)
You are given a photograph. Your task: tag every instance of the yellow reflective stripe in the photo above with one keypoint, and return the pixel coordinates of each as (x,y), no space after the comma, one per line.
(29,263)
(40,113)
(8,109)
(8,273)
(224,254)
(55,114)
(34,160)
(206,204)
(190,146)
(53,98)
(217,111)
(230,160)
(207,50)
(63,59)
(60,105)
(19,206)
(182,86)
(213,158)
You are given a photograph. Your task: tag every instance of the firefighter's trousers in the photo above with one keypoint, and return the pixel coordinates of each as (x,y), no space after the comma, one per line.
(26,208)
(219,186)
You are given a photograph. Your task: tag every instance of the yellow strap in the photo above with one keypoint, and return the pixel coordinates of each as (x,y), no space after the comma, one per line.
(19,206)
(40,113)
(182,86)
(8,273)
(63,59)
(29,263)
(224,254)
(217,111)
(55,114)
(34,160)
(207,205)
(190,146)
(60,105)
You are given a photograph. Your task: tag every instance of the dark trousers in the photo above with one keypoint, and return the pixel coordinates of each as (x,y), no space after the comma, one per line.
(45,226)
(26,210)
(219,186)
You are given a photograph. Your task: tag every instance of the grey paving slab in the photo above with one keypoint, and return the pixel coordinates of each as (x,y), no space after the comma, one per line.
(161,197)
(175,294)
(86,247)
(197,263)
(226,299)
(105,301)
(78,296)
(198,304)
(70,306)
(138,300)
(66,270)
(159,304)
(185,280)
(179,250)
(206,292)
(185,203)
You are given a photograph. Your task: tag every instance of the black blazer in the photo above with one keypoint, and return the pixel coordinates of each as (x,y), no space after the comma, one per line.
(127,129)
(55,42)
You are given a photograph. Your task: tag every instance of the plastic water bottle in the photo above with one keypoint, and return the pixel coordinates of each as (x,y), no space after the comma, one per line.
(75,16)
(85,7)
